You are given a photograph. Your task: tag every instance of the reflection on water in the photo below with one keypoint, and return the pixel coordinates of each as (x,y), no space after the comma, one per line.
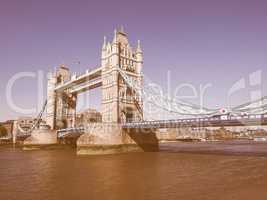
(169,174)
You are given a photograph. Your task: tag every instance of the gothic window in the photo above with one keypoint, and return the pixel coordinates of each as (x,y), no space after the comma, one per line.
(59,79)
(128,94)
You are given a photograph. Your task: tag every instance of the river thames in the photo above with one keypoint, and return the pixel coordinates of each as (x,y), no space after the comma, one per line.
(227,170)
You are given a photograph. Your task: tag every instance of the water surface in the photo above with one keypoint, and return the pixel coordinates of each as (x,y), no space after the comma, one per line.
(172,173)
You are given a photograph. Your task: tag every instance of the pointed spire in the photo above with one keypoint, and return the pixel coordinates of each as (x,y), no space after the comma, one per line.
(115,36)
(108,46)
(104,43)
(121,29)
(139,49)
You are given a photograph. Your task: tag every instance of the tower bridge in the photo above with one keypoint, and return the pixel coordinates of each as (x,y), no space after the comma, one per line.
(125,92)
(119,102)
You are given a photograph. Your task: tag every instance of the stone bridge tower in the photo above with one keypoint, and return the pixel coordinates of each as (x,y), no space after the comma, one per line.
(61,106)
(120,103)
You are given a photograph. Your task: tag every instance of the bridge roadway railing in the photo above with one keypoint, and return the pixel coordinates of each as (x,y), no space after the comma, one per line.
(249,120)
(70,131)
(76,131)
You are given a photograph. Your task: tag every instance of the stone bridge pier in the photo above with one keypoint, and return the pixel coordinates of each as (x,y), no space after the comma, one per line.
(107,138)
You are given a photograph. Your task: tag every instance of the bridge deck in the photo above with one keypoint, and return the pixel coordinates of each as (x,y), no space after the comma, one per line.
(89,75)
(87,86)
(251,120)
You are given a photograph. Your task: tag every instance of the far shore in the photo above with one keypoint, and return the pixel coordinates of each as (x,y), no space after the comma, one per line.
(231,147)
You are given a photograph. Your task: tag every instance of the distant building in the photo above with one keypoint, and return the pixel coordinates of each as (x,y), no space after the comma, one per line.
(26,123)
(88,116)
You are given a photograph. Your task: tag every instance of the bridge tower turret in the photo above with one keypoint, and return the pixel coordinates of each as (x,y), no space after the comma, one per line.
(104,50)
(139,58)
(51,100)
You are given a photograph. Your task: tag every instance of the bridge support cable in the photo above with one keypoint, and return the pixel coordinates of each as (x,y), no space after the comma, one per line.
(37,122)
(135,91)
(40,115)
(150,94)
(254,107)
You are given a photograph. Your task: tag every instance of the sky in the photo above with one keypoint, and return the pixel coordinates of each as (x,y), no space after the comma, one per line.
(198,42)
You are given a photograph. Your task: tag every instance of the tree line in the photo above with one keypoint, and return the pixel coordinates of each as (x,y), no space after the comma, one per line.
(3,131)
